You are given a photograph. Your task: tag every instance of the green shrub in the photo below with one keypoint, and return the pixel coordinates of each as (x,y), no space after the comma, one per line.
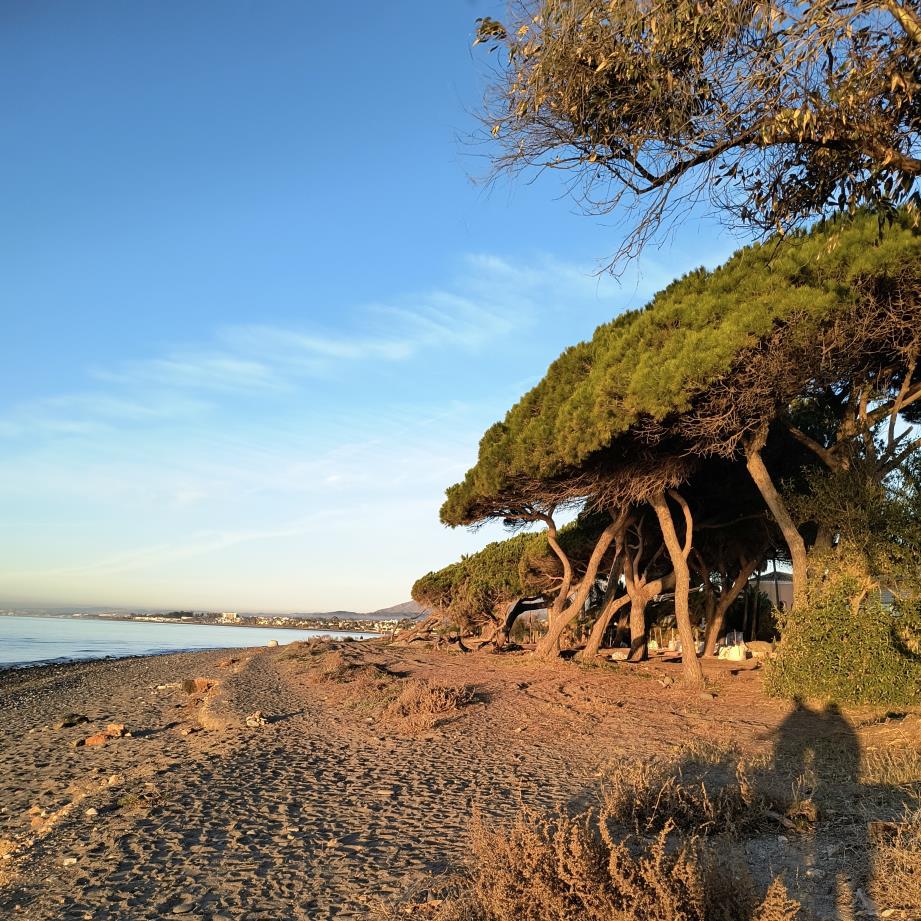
(828,651)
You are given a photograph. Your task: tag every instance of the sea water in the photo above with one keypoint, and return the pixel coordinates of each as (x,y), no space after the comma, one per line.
(25,640)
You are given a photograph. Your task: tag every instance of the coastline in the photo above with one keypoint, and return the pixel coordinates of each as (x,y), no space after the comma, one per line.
(326,807)
(283,622)
(46,640)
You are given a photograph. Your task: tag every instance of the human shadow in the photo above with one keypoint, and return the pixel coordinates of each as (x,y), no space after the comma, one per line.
(817,752)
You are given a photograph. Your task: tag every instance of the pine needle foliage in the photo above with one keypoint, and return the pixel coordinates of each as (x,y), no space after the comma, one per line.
(654,366)
(469,591)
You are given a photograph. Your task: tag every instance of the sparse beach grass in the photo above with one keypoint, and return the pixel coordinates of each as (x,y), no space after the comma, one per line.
(422,704)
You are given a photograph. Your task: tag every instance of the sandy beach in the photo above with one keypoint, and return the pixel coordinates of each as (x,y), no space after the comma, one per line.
(331,807)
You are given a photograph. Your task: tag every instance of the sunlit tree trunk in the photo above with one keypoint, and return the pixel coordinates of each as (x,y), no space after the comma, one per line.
(639,647)
(600,627)
(679,558)
(795,543)
(559,619)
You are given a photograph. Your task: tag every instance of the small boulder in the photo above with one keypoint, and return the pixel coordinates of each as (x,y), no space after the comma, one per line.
(99,738)
(71,720)
(255,719)
(116,730)
(272,643)
(197,685)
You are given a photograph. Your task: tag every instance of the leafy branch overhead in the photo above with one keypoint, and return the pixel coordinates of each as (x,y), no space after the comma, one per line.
(773,111)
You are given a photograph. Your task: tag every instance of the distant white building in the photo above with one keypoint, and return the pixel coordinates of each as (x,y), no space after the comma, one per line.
(230,617)
(777,585)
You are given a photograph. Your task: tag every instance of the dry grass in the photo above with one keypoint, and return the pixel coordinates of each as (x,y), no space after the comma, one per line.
(644,797)
(705,791)
(896,766)
(897,865)
(572,870)
(407,705)
(422,704)
(658,847)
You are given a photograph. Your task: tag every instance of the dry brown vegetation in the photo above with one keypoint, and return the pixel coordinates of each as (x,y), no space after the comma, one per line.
(897,864)
(407,705)
(422,704)
(666,840)
(893,766)
(659,846)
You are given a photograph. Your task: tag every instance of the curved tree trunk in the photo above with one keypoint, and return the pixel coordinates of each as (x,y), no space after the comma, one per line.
(797,546)
(679,557)
(714,627)
(600,627)
(609,607)
(638,646)
(728,595)
(552,538)
(639,600)
(549,645)
(515,609)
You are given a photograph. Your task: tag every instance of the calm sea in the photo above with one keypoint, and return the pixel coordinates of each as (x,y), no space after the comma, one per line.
(55,639)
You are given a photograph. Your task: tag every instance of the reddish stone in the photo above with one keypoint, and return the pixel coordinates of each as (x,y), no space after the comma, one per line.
(100,738)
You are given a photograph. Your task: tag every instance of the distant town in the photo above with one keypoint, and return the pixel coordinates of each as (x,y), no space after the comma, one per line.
(386,620)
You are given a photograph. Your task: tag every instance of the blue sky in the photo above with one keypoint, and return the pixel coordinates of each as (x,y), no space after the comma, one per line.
(256,311)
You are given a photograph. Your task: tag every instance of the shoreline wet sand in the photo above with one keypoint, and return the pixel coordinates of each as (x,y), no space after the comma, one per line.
(324,808)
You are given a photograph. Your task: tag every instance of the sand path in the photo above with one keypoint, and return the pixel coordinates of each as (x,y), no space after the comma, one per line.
(323,811)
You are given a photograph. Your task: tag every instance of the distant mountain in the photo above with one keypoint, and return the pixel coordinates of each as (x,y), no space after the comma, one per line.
(406,609)
(329,615)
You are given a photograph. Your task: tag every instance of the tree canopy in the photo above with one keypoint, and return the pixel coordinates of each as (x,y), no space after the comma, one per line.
(681,368)
(472,591)
(774,111)
(738,400)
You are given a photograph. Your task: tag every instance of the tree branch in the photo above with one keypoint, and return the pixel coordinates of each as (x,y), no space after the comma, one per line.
(907,18)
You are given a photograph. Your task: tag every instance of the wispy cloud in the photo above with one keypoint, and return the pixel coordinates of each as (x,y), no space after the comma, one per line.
(281,447)
(207,370)
(490,299)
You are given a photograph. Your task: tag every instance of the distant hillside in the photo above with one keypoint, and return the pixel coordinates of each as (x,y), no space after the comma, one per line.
(329,615)
(406,609)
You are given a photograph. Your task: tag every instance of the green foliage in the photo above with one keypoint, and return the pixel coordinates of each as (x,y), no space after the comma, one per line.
(471,588)
(844,643)
(831,650)
(652,364)
(876,524)
(776,113)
